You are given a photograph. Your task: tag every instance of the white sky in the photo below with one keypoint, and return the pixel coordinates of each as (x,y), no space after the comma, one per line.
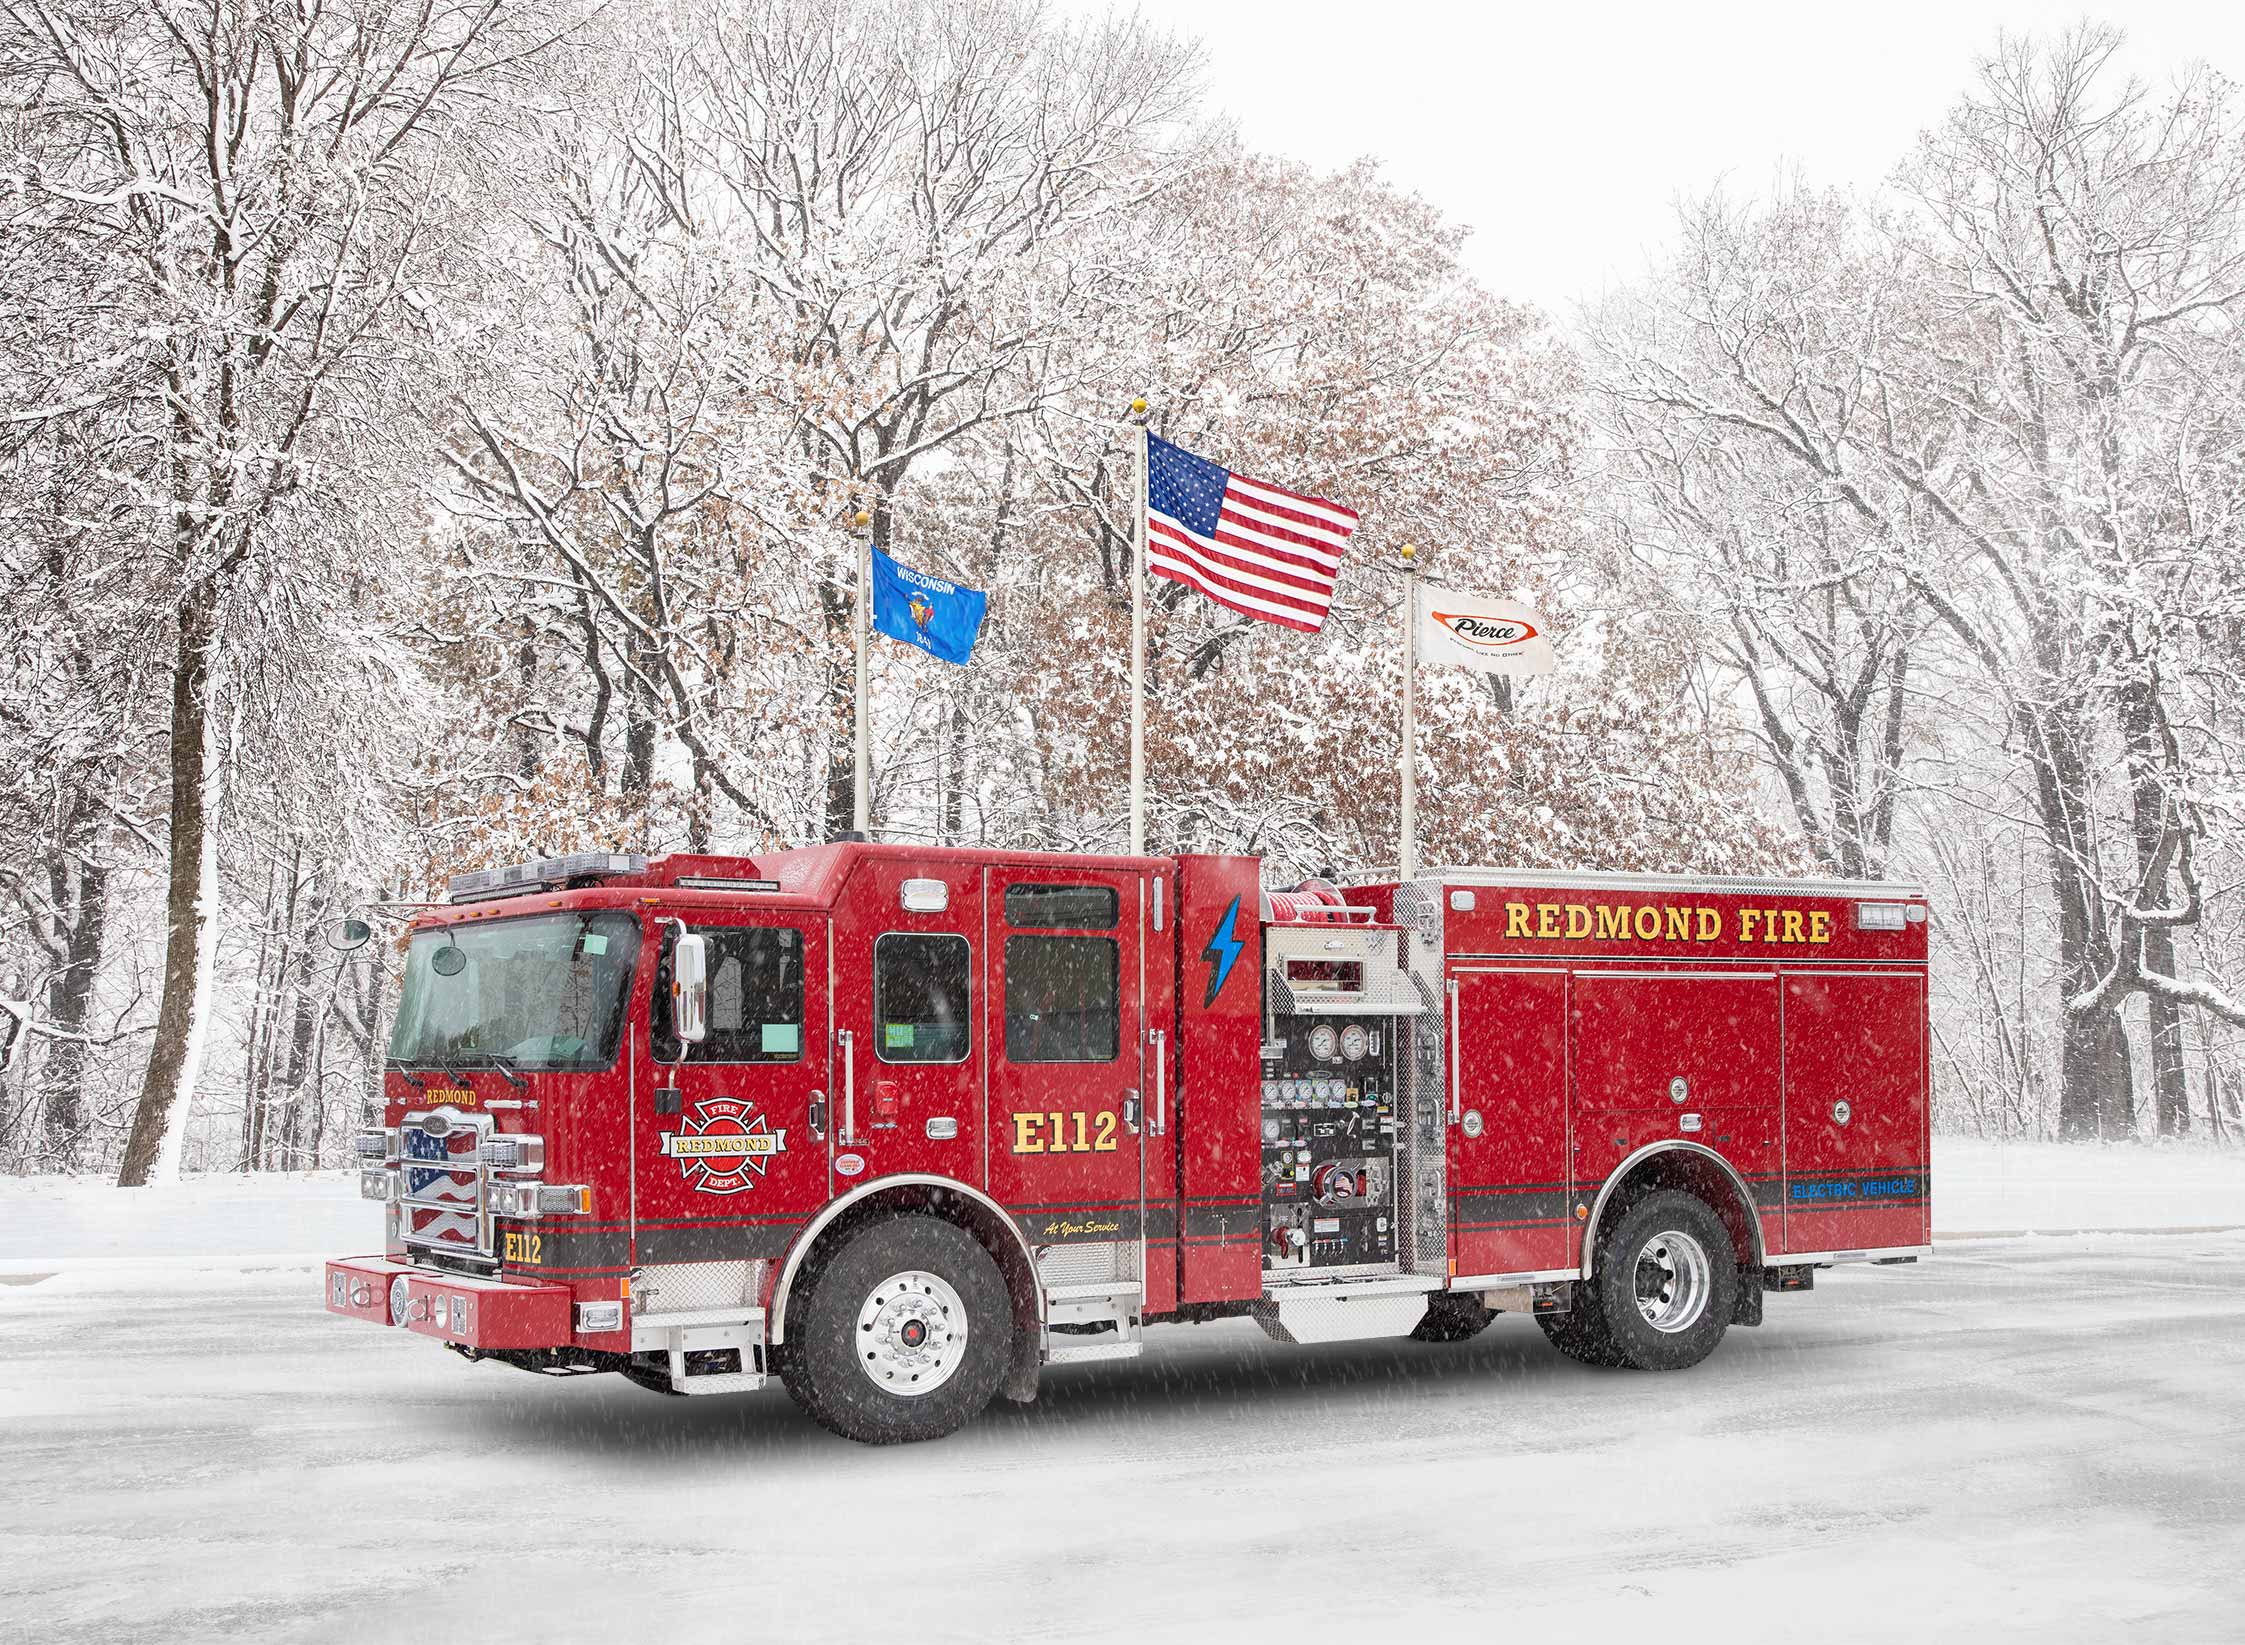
(1563,133)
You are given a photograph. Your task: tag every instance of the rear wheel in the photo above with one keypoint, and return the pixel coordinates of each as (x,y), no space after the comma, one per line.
(1666,1284)
(902,1334)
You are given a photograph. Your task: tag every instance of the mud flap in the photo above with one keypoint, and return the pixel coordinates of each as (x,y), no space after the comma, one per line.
(1747,1310)
(1020,1385)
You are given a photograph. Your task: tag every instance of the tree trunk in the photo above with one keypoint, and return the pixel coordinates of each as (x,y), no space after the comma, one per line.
(299,1076)
(167,1088)
(70,1006)
(2170,1083)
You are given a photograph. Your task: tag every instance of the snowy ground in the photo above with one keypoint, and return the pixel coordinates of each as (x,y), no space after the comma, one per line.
(2027,1438)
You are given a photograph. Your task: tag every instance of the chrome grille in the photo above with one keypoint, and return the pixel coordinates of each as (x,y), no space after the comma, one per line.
(445,1203)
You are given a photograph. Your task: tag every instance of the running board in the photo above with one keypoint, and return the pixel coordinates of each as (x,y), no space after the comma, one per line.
(1112,1303)
(715,1329)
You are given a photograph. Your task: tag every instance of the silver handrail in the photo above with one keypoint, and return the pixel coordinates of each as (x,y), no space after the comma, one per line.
(1457,1098)
(1161,1083)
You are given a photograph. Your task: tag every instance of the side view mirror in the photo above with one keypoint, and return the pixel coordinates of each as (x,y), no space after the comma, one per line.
(346,935)
(689,989)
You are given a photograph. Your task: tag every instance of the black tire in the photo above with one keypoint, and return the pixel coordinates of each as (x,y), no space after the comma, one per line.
(855,1378)
(1452,1318)
(1671,1250)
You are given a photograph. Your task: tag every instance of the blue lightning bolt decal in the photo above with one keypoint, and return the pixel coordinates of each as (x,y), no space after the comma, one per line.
(1222,952)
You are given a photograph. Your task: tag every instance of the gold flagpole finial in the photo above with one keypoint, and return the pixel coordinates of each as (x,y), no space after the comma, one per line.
(861,519)
(1138,407)
(1409,552)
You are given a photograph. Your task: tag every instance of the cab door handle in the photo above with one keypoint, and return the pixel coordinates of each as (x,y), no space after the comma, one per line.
(1131,1110)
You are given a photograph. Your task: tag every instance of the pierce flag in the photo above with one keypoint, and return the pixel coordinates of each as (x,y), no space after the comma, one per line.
(1473,631)
(938,617)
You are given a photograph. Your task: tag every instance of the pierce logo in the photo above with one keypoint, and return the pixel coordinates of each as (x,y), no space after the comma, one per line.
(720,1149)
(1485,633)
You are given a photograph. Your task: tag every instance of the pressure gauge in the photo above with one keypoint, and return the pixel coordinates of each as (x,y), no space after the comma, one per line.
(1325,1044)
(1354,1042)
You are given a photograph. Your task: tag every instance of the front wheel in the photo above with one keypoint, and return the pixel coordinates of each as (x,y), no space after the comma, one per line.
(1666,1284)
(901,1335)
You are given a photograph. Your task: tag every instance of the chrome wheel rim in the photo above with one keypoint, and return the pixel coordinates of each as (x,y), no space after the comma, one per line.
(911,1334)
(1674,1279)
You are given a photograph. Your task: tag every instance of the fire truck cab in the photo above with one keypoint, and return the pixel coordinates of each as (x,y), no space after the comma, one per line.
(902,1125)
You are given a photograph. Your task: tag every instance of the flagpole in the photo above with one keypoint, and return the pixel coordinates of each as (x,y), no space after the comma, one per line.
(861,786)
(1408,857)
(1138,644)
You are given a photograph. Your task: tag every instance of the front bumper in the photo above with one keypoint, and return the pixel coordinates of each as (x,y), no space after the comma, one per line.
(477,1313)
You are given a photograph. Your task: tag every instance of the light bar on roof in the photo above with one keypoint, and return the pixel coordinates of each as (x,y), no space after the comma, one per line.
(516,878)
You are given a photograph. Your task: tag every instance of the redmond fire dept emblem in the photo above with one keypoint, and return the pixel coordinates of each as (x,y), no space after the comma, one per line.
(720,1150)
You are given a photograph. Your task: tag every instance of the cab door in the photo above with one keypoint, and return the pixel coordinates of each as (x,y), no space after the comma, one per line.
(730,1136)
(1065,1022)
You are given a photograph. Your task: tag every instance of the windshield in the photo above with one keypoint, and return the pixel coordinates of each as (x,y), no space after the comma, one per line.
(545,992)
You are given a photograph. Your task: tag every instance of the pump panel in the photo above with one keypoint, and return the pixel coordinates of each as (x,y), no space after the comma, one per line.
(1329,1128)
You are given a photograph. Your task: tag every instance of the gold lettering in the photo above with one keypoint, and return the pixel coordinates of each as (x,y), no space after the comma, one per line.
(1648,917)
(1769,925)
(1746,919)
(1710,924)
(1516,919)
(1613,922)
(1025,1138)
(1793,926)
(1679,925)
(1819,925)
(1547,919)
(1578,922)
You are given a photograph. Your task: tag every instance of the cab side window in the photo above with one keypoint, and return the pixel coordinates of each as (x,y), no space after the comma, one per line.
(755,995)
(920,997)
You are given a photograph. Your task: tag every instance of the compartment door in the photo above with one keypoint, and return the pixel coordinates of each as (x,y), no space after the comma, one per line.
(1064,1018)
(1509,1144)
(1855,1111)
(1685,1055)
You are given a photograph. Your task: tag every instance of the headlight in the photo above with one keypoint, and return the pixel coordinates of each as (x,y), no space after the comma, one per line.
(538,1199)
(520,1153)
(377,1145)
(380,1183)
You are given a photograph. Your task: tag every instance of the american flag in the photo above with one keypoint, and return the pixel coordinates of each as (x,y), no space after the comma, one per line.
(1262,550)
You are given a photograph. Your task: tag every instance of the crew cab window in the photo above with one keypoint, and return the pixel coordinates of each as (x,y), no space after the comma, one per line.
(1063,999)
(920,998)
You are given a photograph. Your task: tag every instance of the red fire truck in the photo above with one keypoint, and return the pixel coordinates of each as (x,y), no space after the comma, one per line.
(903,1126)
